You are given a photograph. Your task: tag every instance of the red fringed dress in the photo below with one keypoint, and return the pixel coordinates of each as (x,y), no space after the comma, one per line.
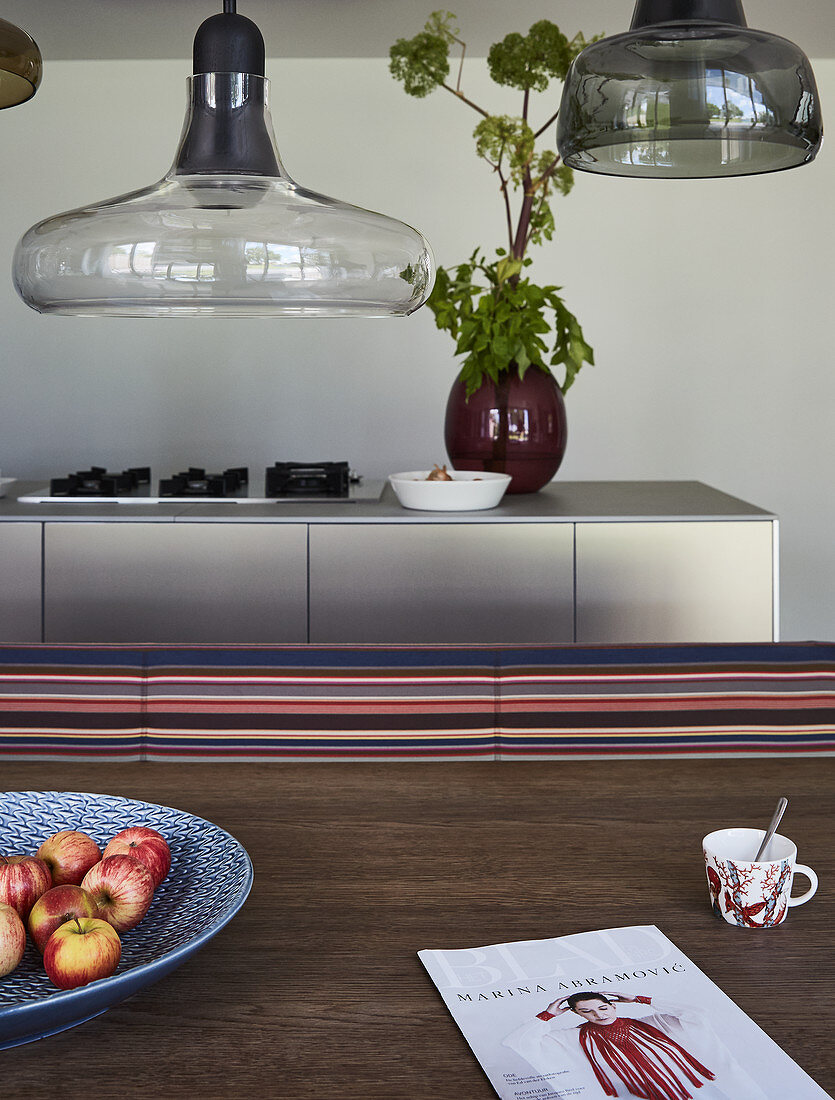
(667,1053)
(651,1064)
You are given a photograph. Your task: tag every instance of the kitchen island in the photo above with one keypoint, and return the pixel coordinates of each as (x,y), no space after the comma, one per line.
(585,562)
(314,989)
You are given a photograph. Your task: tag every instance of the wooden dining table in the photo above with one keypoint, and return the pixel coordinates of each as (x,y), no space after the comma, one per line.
(314,989)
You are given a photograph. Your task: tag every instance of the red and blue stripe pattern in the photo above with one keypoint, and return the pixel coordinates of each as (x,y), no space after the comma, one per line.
(731,700)
(415,702)
(323,703)
(60,703)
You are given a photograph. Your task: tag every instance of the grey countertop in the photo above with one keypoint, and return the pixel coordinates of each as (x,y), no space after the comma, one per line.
(568,501)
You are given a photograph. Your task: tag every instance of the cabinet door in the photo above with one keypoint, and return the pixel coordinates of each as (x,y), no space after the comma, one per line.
(442,582)
(690,581)
(20,568)
(175,582)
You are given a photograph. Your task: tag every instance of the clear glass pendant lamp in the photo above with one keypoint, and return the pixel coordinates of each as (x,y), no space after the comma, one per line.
(690,91)
(225,233)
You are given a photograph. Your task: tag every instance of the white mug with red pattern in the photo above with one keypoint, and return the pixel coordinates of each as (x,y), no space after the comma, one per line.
(753,893)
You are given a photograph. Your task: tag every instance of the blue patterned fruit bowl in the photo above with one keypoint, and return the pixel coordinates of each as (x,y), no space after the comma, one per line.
(209,880)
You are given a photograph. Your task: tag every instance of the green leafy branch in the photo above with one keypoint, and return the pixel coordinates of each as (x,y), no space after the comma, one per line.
(503,323)
(498,318)
(525,62)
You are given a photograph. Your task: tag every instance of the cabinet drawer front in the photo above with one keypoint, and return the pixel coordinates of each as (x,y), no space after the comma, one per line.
(20,556)
(183,582)
(444,582)
(695,581)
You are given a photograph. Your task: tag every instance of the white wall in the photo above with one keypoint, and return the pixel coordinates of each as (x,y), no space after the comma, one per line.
(709,305)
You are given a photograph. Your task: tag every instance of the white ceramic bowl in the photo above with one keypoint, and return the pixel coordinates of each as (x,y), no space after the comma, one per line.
(469,490)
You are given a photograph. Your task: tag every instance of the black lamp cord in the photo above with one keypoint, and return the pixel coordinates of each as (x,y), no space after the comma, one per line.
(229,7)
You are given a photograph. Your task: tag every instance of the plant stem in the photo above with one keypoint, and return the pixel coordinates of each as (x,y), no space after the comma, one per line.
(542,183)
(539,205)
(521,240)
(544,127)
(463,46)
(463,98)
(549,171)
(506,198)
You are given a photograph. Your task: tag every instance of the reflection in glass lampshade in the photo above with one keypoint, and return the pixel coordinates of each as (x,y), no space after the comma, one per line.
(226,243)
(689,100)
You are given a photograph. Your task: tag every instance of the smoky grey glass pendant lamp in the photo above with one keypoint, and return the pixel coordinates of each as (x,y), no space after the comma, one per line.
(20,65)
(690,91)
(226,232)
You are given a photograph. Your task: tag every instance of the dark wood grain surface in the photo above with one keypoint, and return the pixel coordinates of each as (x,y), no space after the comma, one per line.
(315,990)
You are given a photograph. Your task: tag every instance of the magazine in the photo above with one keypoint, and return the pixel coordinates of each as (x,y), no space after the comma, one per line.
(620,1012)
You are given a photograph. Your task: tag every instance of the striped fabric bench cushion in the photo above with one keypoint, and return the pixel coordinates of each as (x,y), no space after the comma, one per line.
(667,700)
(415,702)
(323,703)
(68,702)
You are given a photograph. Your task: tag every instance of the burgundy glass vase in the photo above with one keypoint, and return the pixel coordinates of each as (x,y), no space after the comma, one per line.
(516,426)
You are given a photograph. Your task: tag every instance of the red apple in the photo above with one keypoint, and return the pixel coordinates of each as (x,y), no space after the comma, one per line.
(12,939)
(55,908)
(146,845)
(22,881)
(122,889)
(69,855)
(81,951)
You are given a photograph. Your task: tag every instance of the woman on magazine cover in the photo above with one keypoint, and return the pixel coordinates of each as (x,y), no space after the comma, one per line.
(666,1054)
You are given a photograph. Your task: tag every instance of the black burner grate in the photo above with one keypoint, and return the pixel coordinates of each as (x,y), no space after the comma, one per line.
(195,482)
(97,482)
(291,479)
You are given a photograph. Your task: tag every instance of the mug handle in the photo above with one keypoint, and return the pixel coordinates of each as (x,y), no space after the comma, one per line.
(799,868)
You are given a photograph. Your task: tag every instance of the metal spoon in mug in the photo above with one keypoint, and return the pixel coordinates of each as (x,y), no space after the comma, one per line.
(772,828)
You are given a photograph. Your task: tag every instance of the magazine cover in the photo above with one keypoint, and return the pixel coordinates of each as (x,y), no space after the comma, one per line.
(621,1012)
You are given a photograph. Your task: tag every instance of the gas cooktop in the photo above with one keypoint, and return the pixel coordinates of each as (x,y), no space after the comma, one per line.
(283,482)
